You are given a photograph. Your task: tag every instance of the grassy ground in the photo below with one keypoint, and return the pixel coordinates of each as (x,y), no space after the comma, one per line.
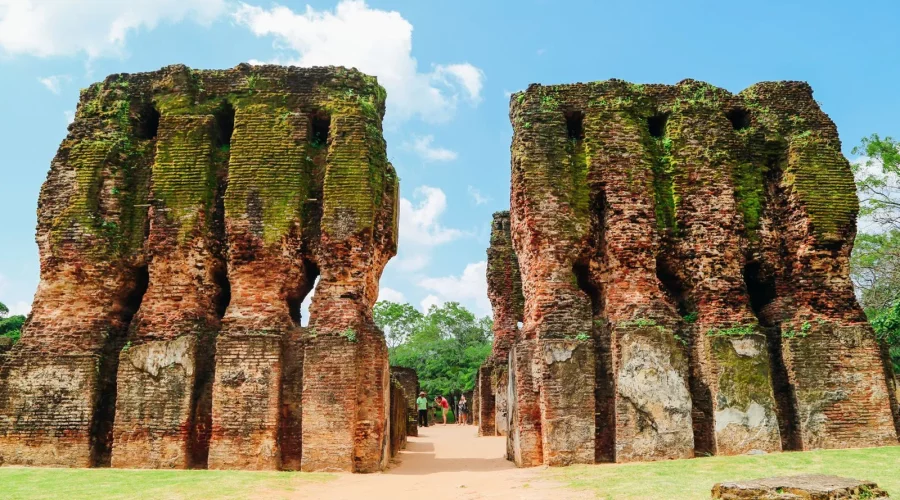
(31,483)
(693,479)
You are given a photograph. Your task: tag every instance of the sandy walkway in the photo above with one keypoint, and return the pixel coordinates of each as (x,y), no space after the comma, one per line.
(445,462)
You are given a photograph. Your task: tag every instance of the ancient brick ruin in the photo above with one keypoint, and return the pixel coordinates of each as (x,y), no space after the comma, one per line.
(409,382)
(185,217)
(684,259)
(809,486)
(505,293)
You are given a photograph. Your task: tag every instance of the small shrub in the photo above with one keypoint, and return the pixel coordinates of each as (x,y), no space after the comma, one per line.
(349,334)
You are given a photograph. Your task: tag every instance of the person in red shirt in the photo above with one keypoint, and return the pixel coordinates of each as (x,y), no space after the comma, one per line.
(445,406)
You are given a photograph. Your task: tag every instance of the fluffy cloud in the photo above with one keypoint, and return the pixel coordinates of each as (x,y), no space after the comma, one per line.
(391,295)
(469,288)
(18,307)
(70,116)
(94,27)
(377,42)
(421,230)
(54,83)
(477,197)
(429,301)
(419,224)
(423,147)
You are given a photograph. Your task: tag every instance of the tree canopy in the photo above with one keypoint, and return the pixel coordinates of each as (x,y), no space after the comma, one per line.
(875,263)
(10,326)
(445,346)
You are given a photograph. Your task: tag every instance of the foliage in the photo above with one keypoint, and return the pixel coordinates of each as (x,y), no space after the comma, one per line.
(803,332)
(875,262)
(691,317)
(875,269)
(445,346)
(10,326)
(878,179)
(736,331)
(887,328)
(349,334)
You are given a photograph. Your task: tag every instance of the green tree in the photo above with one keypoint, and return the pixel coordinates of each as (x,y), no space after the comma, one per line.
(445,346)
(10,326)
(875,263)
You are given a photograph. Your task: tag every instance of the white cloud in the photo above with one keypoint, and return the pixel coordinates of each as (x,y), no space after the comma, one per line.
(70,116)
(411,263)
(469,76)
(429,301)
(507,93)
(97,28)
(477,197)
(20,307)
(377,42)
(422,145)
(391,295)
(420,224)
(469,288)
(54,83)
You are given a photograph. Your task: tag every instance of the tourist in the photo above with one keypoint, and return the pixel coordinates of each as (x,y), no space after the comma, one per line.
(422,406)
(441,401)
(462,411)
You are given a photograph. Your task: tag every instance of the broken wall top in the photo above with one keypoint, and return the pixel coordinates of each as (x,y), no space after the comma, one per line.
(766,121)
(96,198)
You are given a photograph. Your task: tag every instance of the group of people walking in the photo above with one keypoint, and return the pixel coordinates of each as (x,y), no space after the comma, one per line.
(462,409)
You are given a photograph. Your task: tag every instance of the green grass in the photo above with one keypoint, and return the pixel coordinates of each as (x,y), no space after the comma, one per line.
(73,484)
(694,479)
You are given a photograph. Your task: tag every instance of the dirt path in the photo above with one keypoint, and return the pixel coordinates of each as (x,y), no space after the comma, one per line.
(445,462)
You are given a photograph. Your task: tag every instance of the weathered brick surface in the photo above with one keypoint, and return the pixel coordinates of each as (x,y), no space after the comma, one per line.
(505,293)
(524,444)
(486,400)
(185,217)
(399,416)
(809,486)
(409,380)
(696,243)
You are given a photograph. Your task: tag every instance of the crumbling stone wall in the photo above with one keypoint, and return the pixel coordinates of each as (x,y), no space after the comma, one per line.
(684,258)
(399,416)
(186,216)
(409,380)
(505,293)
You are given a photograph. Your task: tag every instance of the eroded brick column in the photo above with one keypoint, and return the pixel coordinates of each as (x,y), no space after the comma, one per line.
(168,361)
(269,276)
(550,224)
(346,379)
(57,387)
(507,302)
(643,399)
(735,408)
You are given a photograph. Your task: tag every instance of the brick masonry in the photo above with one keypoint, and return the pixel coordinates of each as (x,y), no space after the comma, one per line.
(409,381)
(185,217)
(684,260)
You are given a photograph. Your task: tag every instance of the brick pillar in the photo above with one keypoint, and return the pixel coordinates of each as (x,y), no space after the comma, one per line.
(486,422)
(524,441)
(269,275)
(738,411)
(346,378)
(169,358)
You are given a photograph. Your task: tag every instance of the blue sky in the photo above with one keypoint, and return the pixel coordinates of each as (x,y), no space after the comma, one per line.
(448,68)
